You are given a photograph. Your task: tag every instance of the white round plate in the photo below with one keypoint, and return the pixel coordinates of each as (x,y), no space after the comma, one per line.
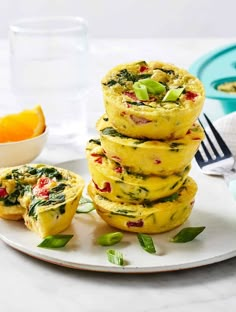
(214,208)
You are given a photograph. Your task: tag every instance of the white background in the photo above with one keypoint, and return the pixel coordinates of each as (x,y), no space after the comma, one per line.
(134,18)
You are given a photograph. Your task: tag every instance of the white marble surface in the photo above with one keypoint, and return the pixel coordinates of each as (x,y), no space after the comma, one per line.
(28,284)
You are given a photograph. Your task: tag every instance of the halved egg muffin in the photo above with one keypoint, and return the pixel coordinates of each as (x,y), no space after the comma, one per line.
(152,100)
(46,197)
(118,184)
(160,157)
(153,217)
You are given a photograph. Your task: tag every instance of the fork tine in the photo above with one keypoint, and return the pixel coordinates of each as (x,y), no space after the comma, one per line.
(199,158)
(209,141)
(219,139)
(214,157)
(206,150)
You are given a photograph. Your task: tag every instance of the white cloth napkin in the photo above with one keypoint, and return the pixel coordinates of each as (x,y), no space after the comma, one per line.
(227,128)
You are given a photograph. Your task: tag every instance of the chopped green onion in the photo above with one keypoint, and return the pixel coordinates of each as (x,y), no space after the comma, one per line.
(146,242)
(110,238)
(55,241)
(85,208)
(187,234)
(115,257)
(141,91)
(170,198)
(153,87)
(85,200)
(85,205)
(172,95)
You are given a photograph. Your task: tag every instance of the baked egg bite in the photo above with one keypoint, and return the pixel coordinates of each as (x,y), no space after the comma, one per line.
(152,100)
(119,184)
(153,217)
(159,157)
(46,197)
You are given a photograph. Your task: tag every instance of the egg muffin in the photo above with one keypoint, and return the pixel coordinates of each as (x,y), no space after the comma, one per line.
(152,100)
(46,197)
(159,157)
(118,184)
(152,217)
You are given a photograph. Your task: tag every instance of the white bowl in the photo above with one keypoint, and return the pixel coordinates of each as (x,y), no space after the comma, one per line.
(22,152)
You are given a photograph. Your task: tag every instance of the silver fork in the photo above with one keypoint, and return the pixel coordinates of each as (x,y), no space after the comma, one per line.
(215,158)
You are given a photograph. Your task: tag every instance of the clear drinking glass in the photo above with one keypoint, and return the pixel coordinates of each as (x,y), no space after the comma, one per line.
(49,66)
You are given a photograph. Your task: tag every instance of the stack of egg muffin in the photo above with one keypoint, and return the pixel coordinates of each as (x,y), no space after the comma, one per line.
(148,137)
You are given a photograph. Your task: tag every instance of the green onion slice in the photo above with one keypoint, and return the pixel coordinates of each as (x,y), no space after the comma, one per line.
(85,200)
(115,257)
(172,95)
(187,234)
(153,87)
(146,242)
(141,91)
(170,198)
(55,241)
(85,205)
(110,239)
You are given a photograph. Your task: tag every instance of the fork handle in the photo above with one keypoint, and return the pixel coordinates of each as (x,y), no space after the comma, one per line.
(230,179)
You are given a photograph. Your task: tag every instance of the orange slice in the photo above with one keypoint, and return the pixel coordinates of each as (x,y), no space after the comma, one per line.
(24,125)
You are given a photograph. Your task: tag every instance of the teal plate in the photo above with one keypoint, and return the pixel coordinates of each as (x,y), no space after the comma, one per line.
(215,68)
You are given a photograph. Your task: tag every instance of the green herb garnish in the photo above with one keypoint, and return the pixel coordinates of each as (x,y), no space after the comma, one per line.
(115,257)
(49,172)
(172,95)
(85,205)
(112,132)
(55,241)
(153,86)
(58,188)
(12,199)
(122,212)
(136,103)
(124,76)
(174,146)
(141,91)
(32,208)
(53,199)
(111,83)
(168,198)
(167,71)
(62,209)
(146,242)
(95,141)
(110,239)
(187,234)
